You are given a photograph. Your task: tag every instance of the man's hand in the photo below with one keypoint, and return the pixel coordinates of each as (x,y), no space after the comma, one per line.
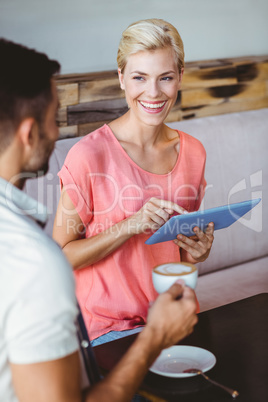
(171,318)
(173,315)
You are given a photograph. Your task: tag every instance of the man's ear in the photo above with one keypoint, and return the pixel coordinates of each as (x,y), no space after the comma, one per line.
(121,79)
(26,131)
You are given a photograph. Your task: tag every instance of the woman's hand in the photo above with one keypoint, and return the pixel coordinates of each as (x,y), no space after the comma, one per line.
(153,215)
(196,248)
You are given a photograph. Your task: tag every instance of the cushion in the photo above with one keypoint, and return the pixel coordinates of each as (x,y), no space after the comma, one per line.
(236,170)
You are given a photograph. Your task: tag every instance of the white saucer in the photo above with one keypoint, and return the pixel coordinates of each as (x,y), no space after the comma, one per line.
(174,360)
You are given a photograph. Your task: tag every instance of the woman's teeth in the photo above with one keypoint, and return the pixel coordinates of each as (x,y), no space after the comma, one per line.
(152,105)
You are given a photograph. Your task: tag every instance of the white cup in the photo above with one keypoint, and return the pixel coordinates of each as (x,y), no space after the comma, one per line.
(166,274)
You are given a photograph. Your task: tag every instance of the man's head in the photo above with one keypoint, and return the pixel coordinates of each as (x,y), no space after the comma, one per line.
(27,94)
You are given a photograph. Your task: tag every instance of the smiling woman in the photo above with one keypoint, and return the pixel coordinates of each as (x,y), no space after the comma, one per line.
(151,81)
(140,172)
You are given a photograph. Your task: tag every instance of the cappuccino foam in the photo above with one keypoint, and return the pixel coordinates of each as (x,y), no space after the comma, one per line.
(175,269)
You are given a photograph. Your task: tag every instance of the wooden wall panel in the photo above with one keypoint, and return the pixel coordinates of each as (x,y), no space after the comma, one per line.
(206,77)
(96,111)
(91,91)
(68,94)
(209,87)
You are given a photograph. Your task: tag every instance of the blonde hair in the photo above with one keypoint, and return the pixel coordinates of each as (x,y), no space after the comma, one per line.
(150,34)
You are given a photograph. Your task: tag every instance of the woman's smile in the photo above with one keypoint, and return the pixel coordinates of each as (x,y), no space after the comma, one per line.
(153,107)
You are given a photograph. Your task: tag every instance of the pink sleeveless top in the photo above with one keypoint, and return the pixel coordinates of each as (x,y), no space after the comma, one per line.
(106,186)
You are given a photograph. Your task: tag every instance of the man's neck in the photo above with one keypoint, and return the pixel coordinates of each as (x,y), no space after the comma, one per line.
(10,167)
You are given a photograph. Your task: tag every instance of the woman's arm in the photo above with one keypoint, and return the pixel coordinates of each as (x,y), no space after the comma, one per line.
(82,252)
(68,229)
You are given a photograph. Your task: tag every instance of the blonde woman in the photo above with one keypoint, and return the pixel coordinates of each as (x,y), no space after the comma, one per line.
(123,181)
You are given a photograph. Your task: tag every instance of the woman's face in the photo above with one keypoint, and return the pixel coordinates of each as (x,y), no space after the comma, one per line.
(151,81)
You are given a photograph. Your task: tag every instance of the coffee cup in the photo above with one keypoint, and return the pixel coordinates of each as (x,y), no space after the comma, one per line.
(166,274)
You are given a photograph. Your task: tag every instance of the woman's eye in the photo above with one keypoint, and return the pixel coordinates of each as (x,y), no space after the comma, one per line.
(166,78)
(138,78)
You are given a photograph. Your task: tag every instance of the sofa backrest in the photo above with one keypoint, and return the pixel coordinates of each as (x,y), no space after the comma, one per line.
(236,170)
(46,189)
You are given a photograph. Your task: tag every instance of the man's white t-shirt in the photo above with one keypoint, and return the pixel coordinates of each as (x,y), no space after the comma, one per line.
(37,294)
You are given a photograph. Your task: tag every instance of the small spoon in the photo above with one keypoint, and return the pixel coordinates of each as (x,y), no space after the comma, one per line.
(232,392)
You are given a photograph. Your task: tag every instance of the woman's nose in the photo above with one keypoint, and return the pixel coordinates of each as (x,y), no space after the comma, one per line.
(153,89)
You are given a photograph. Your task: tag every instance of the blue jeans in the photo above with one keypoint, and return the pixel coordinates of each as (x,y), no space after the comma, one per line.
(112,335)
(139,398)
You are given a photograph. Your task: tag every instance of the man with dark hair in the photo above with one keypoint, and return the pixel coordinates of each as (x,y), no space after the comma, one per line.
(39,358)
(25,92)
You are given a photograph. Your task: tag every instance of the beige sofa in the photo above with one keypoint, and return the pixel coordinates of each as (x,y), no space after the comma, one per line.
(236,170)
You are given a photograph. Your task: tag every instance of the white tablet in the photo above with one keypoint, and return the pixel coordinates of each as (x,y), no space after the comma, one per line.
(222,217)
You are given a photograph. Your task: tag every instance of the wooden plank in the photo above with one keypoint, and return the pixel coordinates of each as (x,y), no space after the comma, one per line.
(198,97)
(263,70)
(218,94)
(227,75)
(226,61)
(252,90)
(249,73)
(209,77)
(225,107)
(247,59)
(89,112)
(91,91)
(68,94)
(83,77)
(68,132)
(62,117)
(210,63)
(255,90)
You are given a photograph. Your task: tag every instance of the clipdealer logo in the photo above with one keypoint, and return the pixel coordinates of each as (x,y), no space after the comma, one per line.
(253,220)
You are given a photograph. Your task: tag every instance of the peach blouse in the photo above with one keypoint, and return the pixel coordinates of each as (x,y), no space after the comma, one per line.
(107,186)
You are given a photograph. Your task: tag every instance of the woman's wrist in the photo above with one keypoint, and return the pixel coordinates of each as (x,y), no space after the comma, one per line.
(124,229)
(130,226)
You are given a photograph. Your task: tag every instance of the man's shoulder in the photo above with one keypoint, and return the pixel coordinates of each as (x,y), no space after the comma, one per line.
(28,252)
(35,273)
(48,256)
(38,301)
